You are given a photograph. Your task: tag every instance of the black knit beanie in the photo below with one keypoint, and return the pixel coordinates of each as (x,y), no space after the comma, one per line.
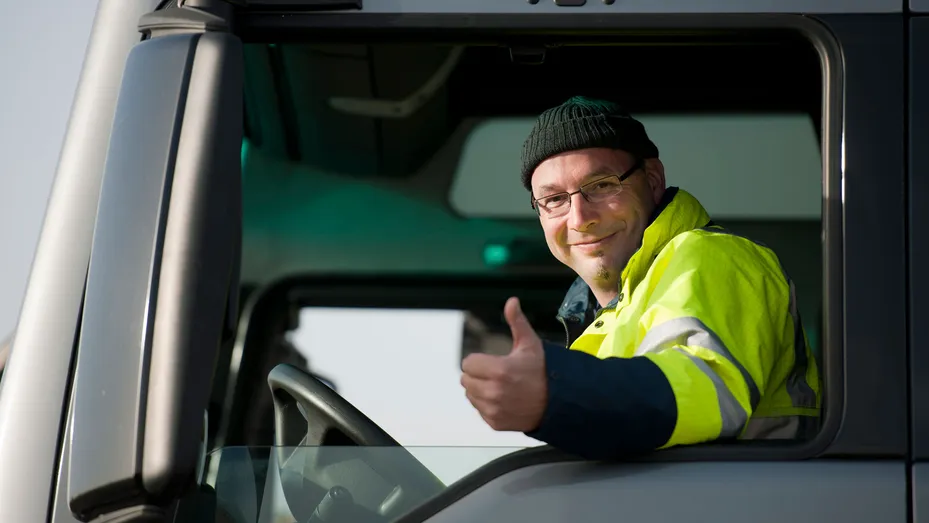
(582,123)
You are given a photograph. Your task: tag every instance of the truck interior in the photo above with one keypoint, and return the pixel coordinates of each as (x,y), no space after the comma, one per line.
(384,177)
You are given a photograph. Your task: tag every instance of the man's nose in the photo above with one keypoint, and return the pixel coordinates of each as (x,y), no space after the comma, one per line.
(582,215)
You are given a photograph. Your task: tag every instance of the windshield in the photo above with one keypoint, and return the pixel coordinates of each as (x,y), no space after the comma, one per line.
(332,483)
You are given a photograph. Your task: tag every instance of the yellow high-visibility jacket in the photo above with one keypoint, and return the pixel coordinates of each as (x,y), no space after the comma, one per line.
(703,342)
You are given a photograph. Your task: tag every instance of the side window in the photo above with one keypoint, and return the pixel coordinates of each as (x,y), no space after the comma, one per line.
(347,191)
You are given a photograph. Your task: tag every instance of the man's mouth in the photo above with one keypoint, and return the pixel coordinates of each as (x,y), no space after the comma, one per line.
(593,245)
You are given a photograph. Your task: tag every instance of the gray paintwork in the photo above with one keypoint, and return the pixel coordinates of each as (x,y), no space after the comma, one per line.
(36,380)
(775,492)
(919,6)
(920,485)
(873,167)
(60,511)
(635,6)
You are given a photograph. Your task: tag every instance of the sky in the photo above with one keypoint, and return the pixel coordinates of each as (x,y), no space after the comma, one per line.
(42,47)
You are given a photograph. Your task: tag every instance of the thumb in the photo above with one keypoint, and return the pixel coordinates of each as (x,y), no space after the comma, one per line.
(524,335)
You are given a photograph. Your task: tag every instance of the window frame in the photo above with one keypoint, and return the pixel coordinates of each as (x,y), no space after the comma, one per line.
(857,422)
(344,27)
(918,188)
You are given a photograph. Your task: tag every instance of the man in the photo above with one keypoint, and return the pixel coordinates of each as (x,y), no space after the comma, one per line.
(680,332)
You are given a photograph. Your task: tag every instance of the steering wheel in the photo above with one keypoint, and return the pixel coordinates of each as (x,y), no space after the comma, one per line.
(335,463)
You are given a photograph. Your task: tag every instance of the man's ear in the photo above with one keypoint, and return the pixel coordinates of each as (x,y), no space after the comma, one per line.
(654,176)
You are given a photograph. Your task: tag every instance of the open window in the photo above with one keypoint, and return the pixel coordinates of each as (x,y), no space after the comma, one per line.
(385,225)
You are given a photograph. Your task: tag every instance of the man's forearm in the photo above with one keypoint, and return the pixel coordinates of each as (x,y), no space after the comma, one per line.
(600,409)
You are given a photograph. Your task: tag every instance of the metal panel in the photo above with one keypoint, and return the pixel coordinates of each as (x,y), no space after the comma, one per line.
(875,395)
(919,6)
(634,6)
(920,485)
(122,283)
(775,492)
(60,511)
(919,234)
(37,379)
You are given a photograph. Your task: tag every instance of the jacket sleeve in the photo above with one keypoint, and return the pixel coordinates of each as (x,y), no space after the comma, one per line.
(714,324)
(601,409)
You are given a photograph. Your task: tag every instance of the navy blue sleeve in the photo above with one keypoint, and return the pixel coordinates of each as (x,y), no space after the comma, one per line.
(601,409)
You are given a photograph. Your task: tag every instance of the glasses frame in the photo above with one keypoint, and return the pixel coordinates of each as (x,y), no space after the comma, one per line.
(534,202)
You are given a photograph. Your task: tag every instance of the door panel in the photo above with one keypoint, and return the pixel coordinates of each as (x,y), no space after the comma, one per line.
(921,493)
(874,340)
(770,492)
(871,350)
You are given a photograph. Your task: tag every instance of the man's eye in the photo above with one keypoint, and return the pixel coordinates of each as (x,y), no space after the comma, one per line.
(555,200)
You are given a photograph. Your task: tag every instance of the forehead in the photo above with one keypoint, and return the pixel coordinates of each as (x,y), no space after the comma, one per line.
(573,168)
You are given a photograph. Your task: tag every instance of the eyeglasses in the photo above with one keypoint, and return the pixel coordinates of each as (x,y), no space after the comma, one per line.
(597,191)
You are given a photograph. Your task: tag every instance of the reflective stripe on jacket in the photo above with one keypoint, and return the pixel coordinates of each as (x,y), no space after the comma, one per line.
(716,314)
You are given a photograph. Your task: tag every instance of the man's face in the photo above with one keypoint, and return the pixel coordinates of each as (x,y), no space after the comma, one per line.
(596,240)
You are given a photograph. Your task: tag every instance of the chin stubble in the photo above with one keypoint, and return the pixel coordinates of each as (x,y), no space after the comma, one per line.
(603,272)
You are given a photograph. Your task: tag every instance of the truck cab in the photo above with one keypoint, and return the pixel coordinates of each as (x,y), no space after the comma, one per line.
(277,227)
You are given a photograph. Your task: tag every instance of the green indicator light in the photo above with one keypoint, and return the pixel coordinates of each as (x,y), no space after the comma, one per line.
(496,255)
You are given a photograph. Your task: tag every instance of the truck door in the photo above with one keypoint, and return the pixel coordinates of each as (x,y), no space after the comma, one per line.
(865,429)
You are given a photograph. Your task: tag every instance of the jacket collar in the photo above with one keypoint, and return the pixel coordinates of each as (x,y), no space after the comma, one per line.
(677,212)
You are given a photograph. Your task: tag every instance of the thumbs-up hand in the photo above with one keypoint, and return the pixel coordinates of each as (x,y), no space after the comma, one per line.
(510,392)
